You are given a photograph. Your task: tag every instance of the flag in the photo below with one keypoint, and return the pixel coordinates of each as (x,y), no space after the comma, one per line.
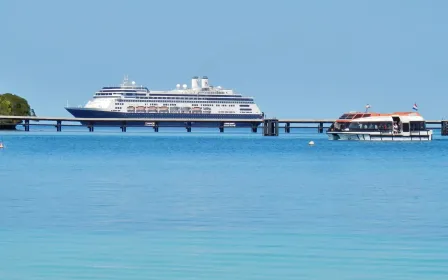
(415,107)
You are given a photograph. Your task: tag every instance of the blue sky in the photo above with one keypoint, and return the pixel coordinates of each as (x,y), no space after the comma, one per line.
(299,59)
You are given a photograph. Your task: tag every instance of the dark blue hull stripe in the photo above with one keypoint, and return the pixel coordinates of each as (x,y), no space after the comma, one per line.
(85,113)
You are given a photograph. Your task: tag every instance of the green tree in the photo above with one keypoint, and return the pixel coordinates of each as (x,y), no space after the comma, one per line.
(5,106)
(13,105)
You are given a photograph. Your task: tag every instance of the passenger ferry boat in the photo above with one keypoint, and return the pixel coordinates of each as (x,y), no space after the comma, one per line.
(200,101)
(398,126)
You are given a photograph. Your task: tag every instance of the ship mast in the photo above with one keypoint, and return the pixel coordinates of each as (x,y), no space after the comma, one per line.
(125,80)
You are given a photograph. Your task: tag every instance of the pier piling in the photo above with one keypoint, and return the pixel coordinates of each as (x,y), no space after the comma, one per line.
(156,127)
(91,129)
(123,127)
(287,127)
(188,127)
(444,128)
(58,126)
(321,128)
(270,127)
(254,128)
(27,125)
(221,127)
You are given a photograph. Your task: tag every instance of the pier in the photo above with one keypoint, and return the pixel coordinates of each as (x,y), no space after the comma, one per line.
(269,127)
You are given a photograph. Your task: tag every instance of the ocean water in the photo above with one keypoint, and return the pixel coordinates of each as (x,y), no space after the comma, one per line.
(202,205)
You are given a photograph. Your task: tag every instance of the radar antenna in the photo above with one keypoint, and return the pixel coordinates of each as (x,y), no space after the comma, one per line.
(125,80)
(367,107)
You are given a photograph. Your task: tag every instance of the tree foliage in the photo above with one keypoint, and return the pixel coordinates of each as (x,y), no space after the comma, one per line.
(13,105)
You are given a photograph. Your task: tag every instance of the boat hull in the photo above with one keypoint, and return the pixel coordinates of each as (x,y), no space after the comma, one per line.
(93,113)
(379,137)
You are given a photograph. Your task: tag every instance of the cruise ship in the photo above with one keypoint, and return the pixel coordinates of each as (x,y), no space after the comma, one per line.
(197,102)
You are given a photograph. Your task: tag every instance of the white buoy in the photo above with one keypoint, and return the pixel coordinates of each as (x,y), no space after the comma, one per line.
(311,143)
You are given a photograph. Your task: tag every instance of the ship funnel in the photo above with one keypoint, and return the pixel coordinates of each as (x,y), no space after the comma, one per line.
(204,82)
(195,82)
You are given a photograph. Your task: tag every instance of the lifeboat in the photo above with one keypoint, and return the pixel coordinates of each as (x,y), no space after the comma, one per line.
(163,109)
(140,109)
(397,126)
(151,109)
(131,109)
(196,110)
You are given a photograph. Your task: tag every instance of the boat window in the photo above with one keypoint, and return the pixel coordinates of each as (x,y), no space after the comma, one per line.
(339,126)
(347,116)
(418,125)
(405,127)
(370,126)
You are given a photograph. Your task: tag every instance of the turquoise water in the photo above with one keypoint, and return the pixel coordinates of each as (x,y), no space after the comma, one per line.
(176,205)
